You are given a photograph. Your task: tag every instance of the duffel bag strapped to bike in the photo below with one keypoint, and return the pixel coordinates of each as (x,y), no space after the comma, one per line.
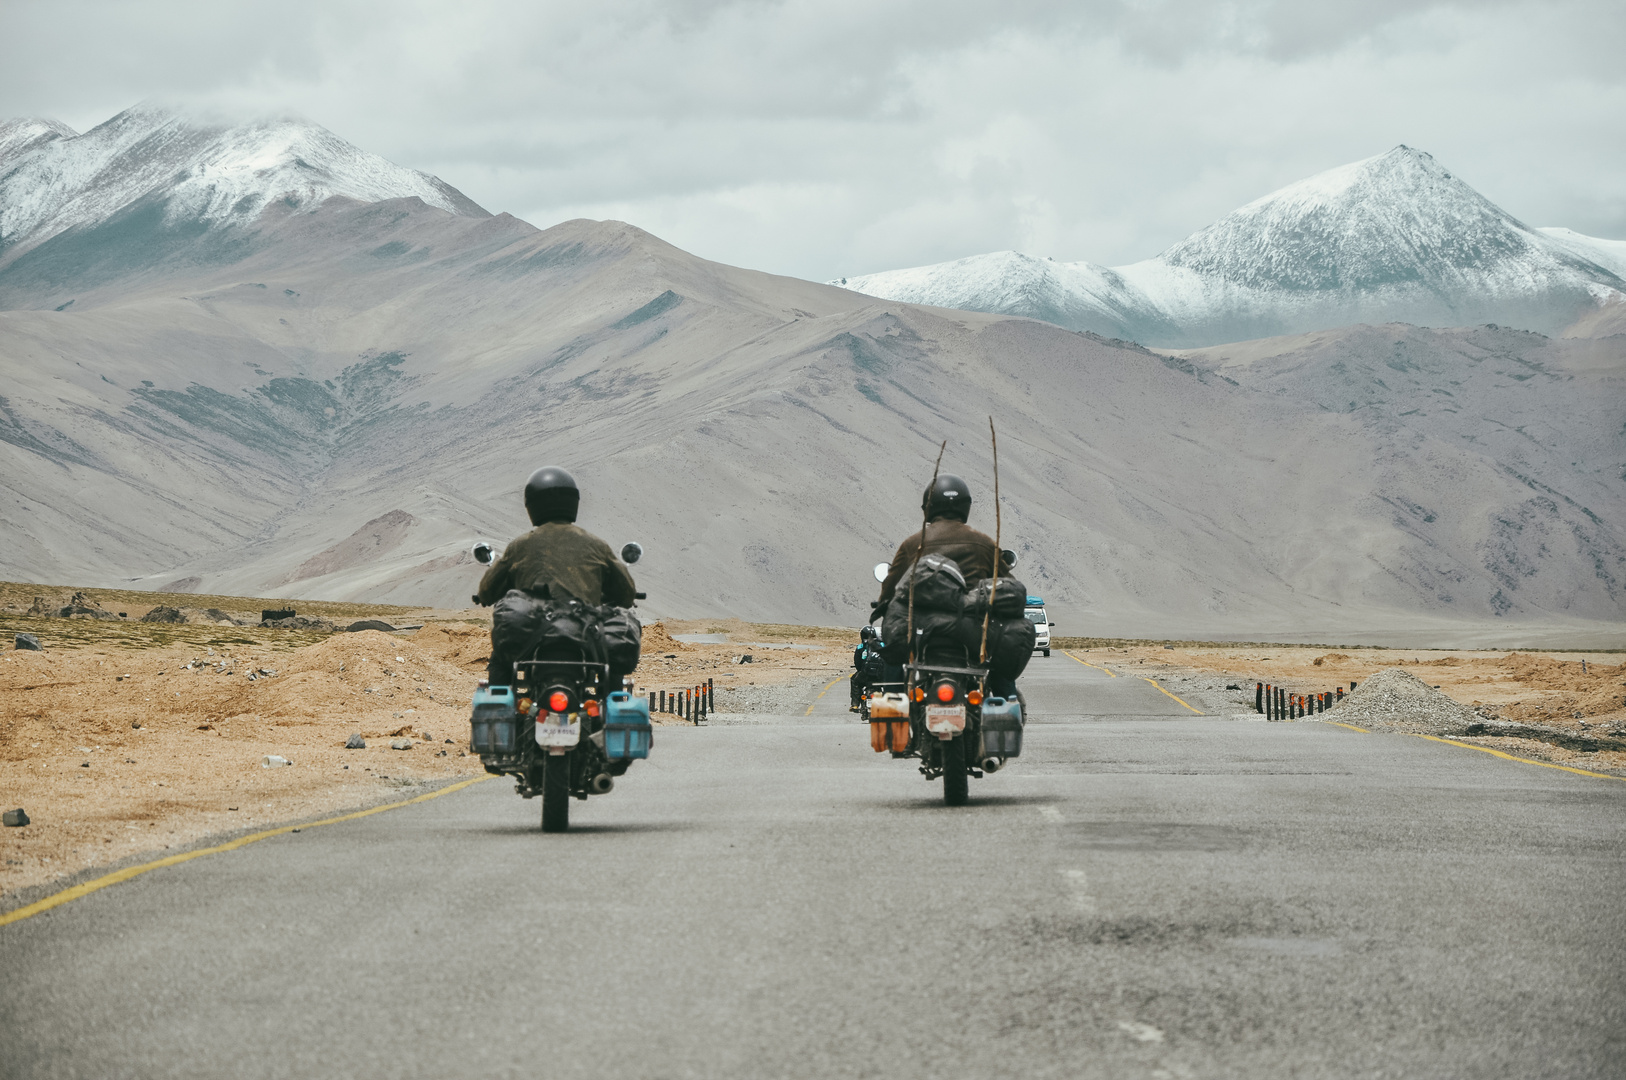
(522,624)
(1010,646)
(1010,634)
(1010,599)
(619,637)
(889,723)
(1001,728)
(627,731)
(494,724)
(939,606)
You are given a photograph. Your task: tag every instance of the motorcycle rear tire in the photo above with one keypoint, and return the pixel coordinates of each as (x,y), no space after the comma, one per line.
(956,780)
(556,793)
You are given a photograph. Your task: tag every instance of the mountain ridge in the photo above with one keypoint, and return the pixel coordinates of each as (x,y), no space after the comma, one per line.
(243,403)
(1392,238)
(201,171)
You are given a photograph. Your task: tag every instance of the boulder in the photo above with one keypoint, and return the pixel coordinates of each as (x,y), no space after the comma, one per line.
(370,624)
(29,642)
(164,614)
(16,818)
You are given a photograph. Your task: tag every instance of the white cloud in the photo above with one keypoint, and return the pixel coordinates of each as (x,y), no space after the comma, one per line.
(826,138)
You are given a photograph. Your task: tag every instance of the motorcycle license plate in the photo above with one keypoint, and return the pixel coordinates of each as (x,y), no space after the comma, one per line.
(558,729)
(945,720)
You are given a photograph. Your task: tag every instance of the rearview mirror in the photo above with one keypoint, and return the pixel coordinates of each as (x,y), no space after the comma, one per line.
(632,553)
(880,570)
(486,552)
(1009,556)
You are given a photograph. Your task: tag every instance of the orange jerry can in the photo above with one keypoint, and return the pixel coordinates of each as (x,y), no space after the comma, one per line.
(889,723)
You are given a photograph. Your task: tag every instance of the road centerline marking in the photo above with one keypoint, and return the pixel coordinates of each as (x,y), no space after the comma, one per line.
(98,884)
(1510,757)
(1086,663)
(823,692)
(1193,708)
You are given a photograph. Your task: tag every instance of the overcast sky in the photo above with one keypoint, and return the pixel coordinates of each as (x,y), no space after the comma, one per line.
(822,139)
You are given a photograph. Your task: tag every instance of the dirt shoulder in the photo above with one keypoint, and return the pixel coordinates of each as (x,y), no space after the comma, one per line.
(125,738)
(1550,691)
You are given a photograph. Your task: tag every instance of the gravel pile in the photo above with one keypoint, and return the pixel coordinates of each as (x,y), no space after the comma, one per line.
(1396,700)
(773,703)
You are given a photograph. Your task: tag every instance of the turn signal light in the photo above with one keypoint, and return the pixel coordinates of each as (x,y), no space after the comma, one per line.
(945,691)
(592,708)
(919,694)
(559,701)
(975,697)
(523,704)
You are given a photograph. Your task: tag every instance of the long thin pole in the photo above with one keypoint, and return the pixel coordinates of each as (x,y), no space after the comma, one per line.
(925,516)
(993,590)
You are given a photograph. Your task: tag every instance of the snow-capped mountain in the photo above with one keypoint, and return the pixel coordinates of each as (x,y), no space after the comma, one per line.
(1393,238)
(200,171)
(1609,254)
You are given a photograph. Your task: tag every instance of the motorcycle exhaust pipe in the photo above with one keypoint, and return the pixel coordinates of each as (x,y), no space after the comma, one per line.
(990,765)
(603,783)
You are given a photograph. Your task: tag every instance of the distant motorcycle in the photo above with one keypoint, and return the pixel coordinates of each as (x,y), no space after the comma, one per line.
(559,728)
(941,712)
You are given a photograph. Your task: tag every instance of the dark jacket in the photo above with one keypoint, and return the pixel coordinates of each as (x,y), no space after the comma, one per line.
(971,550)
(561,554)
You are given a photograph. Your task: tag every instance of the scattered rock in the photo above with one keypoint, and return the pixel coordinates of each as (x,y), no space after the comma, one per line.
(15,818)
(274,761)
(163,614)
(84,605)
(355,742)
(743,659)
(29,642)
(400,744)
(301,622)
(370,624)
(42,608)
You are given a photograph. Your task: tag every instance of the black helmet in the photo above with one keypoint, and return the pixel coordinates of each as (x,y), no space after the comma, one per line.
(551,495)
(947,497)
(867,634)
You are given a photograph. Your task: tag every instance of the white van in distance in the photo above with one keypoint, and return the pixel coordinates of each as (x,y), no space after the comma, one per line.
(1041,624)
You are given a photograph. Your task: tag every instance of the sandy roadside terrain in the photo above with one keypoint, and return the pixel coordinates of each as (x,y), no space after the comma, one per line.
(1546,689)
(145,743)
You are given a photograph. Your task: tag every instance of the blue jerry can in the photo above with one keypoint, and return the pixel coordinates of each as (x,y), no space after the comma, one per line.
(494,724)
(627,733)
(1001,728)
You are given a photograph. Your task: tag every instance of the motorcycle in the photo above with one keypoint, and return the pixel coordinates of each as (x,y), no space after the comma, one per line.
(559,728)
(941,713)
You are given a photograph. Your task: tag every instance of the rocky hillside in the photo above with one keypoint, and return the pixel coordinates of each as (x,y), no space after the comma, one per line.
(337,408)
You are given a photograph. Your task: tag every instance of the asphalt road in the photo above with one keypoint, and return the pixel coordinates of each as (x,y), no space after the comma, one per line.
(1149,893)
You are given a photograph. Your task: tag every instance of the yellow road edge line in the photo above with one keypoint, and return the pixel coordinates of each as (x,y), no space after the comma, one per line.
(1193,708)
(96,885)
(1510,757)
(823,692)
(1086,663)
(1352,727)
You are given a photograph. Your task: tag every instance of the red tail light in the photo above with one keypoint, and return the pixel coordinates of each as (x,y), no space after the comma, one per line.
(945,691)
(559,701)
(592,708)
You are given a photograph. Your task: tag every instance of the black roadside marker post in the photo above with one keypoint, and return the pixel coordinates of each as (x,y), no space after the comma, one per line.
(1258,697)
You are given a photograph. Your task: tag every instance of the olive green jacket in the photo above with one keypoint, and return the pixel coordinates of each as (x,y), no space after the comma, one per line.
(973,551)
(561,554)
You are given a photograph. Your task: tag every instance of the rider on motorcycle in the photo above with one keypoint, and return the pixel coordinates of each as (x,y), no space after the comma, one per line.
(555,555)
(947,505)
(868,664)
